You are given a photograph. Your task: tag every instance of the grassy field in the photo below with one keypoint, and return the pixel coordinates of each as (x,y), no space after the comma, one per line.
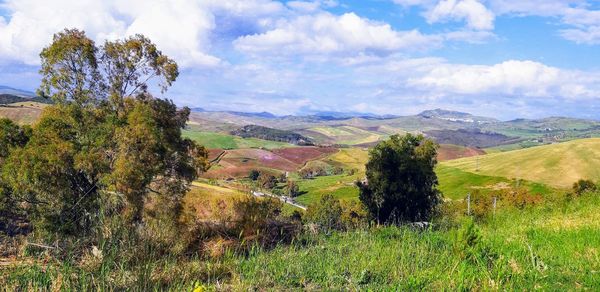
(223,141)
(557,165)
(22,113)
(348,135)
(340,186)
(456,183)
(203,197)
(551,247)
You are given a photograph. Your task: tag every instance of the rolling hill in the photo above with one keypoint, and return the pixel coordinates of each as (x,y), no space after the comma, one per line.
(22,112)
(558,165)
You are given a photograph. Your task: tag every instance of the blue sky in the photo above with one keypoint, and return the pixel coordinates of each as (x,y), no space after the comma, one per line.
(501,58)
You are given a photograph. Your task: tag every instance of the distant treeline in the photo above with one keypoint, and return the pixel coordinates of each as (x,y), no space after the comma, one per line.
(10,98)
(260,132)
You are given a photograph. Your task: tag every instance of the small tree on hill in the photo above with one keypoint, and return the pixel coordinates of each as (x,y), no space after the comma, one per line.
(254,174)
(267,181)
(401,182)
(292,188)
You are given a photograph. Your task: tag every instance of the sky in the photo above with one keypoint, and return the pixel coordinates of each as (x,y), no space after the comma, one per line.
(500,58)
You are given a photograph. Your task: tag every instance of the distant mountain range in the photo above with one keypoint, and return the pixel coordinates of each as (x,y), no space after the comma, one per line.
(323,115)
(355,128)
(14,91)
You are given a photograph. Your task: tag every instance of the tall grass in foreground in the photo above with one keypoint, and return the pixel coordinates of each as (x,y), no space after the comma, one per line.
(555,246)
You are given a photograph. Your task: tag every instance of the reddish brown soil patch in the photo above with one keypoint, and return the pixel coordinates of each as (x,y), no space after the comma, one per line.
(258,158)
(213,154)
(449,152)
(239,162)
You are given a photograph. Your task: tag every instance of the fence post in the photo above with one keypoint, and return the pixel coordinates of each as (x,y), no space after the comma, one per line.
(494,206)
(469,204)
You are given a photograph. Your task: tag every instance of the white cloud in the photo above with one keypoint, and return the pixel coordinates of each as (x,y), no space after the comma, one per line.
(583,22)
(325,33)
(181,28)
(473,12)
(512,78)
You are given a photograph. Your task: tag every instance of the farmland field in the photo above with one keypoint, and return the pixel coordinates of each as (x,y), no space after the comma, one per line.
(557,165)
(224,141)
(22,112)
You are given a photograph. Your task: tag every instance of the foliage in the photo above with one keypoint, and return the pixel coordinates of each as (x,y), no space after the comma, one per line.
(254,174)
(327,213)
(481,204)
(469,244)
(266,180)
(519,197)
(264,133)
(312,172)
(547,247)
(105,134)
(292,188)
(582,186)
(12,135)
(332,214)
(401,182)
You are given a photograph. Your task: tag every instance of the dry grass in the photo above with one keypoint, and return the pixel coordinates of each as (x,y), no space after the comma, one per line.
(23,113)
(558,165)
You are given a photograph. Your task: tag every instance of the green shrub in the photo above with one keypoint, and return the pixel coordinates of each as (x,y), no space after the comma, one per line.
(253,175)
(331,214)
(582,186)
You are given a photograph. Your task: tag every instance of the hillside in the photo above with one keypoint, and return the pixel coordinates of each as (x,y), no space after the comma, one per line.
(471,138)
(265,133)
(558,165)
(445,126)
(11,98)
(22,112)
(213,140)
(450,151)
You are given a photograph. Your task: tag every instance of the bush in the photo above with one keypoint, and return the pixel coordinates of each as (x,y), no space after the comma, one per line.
(292,189)
(481,205)
(583,186)
(469,243)
(519,198)
(267,181)
(312,172)
(254,174)
(331,214)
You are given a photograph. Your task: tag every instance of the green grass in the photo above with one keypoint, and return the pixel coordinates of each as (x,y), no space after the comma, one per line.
(340,186)
(557,165)
(537,248)
(553,246)
(456,183)
(348,135)
(213,140)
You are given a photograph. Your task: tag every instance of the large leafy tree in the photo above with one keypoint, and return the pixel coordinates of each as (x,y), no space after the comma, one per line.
(105,134)
(401,182)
